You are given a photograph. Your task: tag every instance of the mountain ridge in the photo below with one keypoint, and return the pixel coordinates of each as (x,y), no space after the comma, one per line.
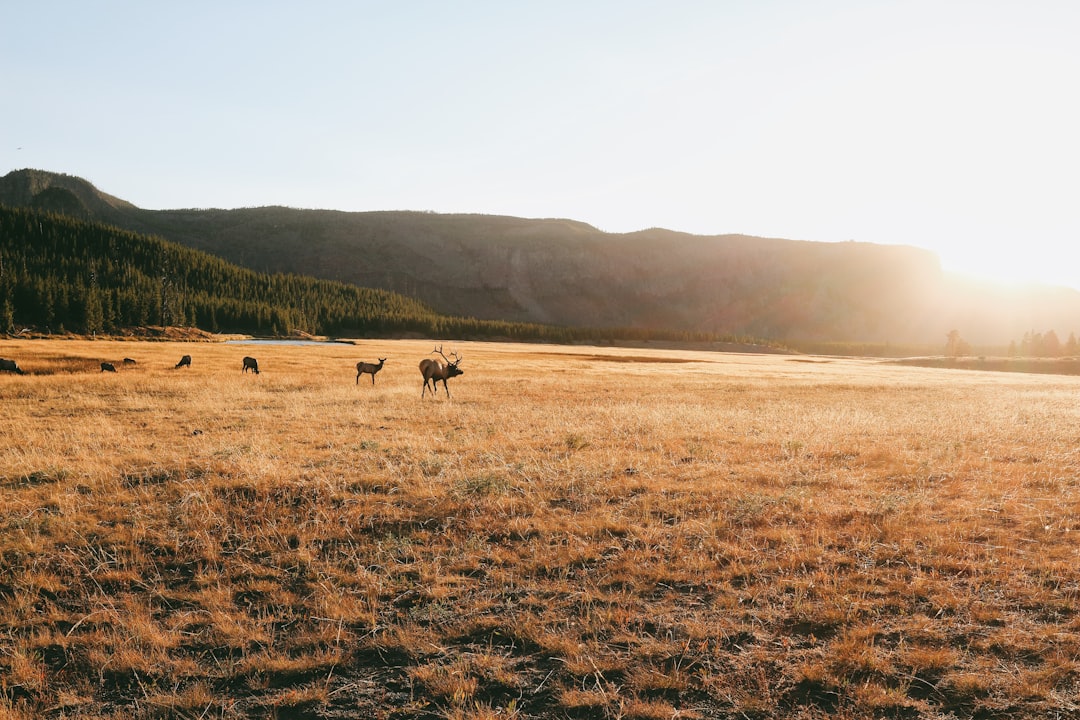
(566,272)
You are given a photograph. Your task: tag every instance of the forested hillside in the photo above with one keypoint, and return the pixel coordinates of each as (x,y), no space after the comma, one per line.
(532,274)
(60,274)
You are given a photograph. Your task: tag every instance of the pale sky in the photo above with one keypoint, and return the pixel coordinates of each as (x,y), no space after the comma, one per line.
(951,125)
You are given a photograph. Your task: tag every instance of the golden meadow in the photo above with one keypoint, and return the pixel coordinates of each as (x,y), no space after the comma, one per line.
(577,533)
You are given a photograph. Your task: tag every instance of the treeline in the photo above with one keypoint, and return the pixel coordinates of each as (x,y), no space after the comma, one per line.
(1047,344)
(58,274)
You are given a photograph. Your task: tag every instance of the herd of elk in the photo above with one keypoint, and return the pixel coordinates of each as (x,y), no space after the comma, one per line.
(366,367)
(433,369)
(436,370)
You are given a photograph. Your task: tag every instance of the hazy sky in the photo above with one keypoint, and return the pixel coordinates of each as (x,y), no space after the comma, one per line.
(945,124)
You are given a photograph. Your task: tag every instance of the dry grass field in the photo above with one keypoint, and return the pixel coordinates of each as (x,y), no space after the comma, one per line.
(577,533)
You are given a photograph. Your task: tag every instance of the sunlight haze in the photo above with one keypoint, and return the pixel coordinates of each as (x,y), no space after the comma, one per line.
(950,126)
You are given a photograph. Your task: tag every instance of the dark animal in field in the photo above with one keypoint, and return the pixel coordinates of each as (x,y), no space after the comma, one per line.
(10,366)
(129,361)
(251,363)
(107,367)
(184,362)
(436,370)
(364,367)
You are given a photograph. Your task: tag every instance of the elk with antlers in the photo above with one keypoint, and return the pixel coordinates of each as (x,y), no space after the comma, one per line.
(366,367)
(436,370)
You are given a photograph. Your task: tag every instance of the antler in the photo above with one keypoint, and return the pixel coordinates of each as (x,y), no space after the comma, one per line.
(455,355)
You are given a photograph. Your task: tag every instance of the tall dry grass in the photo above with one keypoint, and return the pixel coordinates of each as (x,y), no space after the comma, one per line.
(579,532)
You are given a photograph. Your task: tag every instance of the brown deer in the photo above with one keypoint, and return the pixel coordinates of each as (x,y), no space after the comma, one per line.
(184,362)
(364,367)
(251,363)
(436,370)
(10,366)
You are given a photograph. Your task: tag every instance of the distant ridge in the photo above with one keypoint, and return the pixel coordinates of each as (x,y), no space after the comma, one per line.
(67,194)
(566,272)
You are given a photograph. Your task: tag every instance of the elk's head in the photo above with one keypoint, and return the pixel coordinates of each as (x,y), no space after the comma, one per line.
(452,369)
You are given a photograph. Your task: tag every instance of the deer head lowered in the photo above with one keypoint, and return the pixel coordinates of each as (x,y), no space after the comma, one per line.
(436,370)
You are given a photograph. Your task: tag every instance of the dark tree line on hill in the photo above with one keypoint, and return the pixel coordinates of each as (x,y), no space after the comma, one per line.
(59,274)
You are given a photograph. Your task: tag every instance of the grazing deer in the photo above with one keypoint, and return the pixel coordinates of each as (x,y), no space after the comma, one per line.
(129,361)
(184,362)
(251,363)
(363,367)
(107,367)
(436,370)
(10,366)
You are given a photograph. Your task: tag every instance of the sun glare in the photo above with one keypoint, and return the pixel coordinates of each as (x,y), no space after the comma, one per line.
(1015,266)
